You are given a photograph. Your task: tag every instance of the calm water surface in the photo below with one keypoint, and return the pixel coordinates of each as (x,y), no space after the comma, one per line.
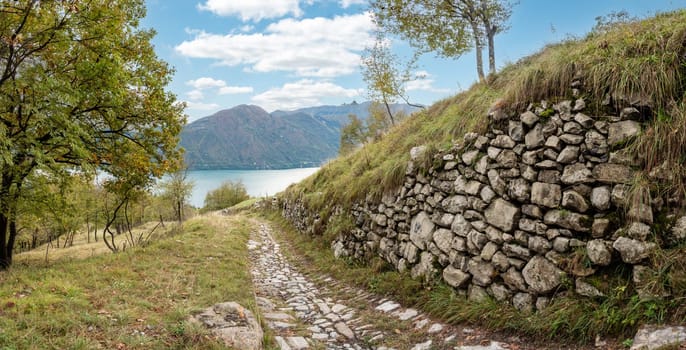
(259,183)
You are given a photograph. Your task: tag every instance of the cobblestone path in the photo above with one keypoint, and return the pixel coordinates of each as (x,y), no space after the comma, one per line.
(323,314)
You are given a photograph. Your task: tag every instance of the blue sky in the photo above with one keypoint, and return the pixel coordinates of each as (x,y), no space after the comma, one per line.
(287,54)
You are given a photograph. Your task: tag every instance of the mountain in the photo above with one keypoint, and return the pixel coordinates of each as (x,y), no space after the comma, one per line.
(247,137)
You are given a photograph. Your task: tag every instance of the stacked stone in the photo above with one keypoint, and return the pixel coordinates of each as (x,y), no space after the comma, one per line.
(510,213)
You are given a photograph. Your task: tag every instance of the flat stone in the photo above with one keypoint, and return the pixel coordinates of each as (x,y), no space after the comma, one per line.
(568,220)
(281,342)
(491,346)
(652,337)
(297,343)
(387,306)
(576,173)
(343,329)
(406,314)
(235,325)
(278,316)
(423,346)
(435,328)
(547,195)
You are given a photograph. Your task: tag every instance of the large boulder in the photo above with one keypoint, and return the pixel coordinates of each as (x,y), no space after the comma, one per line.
(541,275)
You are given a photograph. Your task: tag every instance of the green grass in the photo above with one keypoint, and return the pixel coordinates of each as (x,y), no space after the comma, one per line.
(652,68)
(138,299)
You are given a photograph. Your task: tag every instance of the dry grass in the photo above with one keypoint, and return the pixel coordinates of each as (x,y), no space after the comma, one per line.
(138,299)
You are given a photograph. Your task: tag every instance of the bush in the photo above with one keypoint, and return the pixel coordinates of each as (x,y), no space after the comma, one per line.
(227,195)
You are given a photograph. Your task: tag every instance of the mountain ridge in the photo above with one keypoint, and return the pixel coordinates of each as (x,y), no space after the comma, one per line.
(248,137)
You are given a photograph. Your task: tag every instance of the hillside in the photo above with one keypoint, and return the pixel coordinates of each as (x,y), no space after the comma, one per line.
(247,137)
(549,200)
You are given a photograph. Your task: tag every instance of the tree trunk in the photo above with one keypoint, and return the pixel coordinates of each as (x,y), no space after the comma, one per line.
(388,109)
(490,33)
(478,47)
(5,260)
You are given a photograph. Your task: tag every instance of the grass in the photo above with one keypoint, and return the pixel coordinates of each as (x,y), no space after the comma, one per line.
(652,69)
(138,299)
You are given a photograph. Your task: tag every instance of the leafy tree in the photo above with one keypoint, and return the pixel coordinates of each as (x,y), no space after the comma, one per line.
(177,189)
(80,89)
(228,194)
(448,27)
(352,134)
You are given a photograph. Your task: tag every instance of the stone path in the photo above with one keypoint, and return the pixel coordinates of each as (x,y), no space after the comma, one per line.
(323,314)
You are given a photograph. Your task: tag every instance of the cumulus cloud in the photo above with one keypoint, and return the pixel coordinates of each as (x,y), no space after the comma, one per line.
(423,81)
(347,3)
(302,93)
(313,47)
(252,9)
(206,83)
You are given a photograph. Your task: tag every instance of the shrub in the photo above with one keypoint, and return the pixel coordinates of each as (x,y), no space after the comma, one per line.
(227,195)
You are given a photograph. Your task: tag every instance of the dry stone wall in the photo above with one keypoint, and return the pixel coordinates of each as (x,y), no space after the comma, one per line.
(518,214)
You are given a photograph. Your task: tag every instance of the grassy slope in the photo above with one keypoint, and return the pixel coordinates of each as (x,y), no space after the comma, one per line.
(645,59)
(106,301)
(639,60)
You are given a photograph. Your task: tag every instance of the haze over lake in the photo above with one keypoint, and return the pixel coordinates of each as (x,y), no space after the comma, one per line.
(258,183)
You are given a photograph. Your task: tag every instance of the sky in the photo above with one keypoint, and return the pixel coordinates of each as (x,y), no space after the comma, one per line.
(289,54)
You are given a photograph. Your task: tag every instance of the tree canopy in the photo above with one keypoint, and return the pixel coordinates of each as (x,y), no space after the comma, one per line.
(81,90)
(448,27)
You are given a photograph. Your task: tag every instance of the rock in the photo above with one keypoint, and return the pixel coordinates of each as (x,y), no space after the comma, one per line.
(596,143)
(534,138)
(519,190)
(514,279)
(529,118)
(523,302)
(455,277)
(629,113)
(613,173)
(489,250)
(421,231)
(469,157)
(443,239)
(516,131)
(417,152)
(541,275)
(539,244)
(623,131)
(574,201)
(461,226)
(587,290)
(502,214)
(343,329)
(482,272)
(585,121)
(423,346)
(497,183)
(599,228)
(601,198)
(455,204)
(235,325)
(476,293)
(573,128)
(410,252)
(576,173)
(653,337)
(561,244)
(638,230)
(503,141)
(514,250)
(507,159)
(631,250)
(568,220)
(679,228)
(487,194)
(568,155)
(545,194)
(425,267)
(598,252)
(572,139)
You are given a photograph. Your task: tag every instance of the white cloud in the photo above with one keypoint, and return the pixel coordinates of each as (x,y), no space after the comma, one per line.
(347,3)
(195,95)
(313,47)
(423,81)
(302,93)
(255,10)
(206,83)
(230,90)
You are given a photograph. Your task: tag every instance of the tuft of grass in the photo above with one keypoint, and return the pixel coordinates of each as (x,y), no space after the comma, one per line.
(138,299)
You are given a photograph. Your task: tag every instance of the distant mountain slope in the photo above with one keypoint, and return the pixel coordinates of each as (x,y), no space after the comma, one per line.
(247,137)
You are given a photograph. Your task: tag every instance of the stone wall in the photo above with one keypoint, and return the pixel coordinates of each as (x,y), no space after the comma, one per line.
(537,205)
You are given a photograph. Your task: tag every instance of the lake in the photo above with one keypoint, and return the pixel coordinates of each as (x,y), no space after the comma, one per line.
(258,183)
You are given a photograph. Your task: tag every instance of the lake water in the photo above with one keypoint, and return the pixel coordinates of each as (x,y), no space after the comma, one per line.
(258,183)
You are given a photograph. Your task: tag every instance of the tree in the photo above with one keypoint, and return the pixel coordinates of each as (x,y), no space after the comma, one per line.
(80,89)
(228,194)
(448,27)
(352,134)
(178,189)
